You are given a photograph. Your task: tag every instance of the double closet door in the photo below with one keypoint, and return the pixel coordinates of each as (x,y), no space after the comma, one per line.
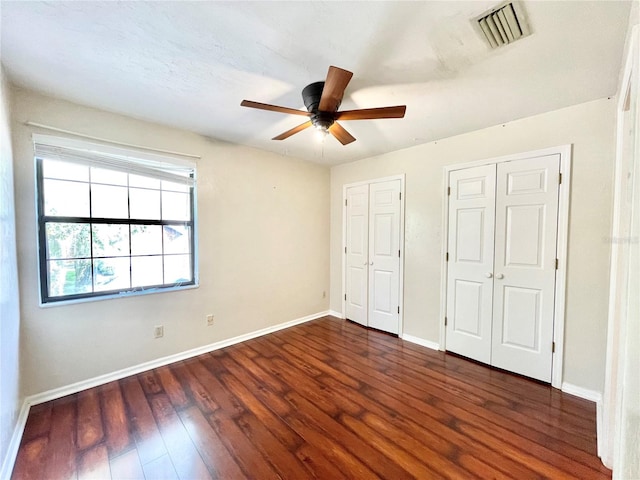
(503,223)
(372,250)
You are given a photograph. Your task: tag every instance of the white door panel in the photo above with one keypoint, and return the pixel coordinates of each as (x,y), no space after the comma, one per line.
(501,269)
(521,318)
(470,238)
(525,254)
(470,266)
(467,302)
(384,258)
(357,254)
(524,234)
(372,251)
(357,287)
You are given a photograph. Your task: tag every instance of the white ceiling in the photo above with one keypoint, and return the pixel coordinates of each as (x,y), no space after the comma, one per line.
(189,64)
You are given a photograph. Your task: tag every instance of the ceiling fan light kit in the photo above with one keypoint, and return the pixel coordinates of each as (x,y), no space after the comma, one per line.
(322,100)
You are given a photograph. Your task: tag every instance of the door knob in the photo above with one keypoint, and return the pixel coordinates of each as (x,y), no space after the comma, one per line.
(370,263)
(488,274)
(365,263)
(499,276)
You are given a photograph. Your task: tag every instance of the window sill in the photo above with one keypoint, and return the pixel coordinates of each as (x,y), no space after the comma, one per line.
(134,293)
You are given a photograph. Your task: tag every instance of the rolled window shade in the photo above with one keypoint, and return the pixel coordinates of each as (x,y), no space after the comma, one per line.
(159,167)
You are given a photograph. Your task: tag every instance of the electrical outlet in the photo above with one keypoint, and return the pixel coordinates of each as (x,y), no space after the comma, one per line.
(324,294)
(209,320)
(158,331)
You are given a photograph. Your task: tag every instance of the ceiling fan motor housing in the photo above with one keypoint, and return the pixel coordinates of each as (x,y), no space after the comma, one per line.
(311,95)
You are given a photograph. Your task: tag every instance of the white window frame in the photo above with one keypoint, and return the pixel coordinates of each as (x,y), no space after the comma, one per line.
(161,166)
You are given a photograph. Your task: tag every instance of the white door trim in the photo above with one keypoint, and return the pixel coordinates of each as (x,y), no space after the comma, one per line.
(608,428)
(561,246)
(400,177)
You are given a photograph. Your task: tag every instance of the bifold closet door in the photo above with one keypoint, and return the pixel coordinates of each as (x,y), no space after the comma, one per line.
(373,255)
(525,265)
(503,224)
(357,253)
(470,266)
(384,256)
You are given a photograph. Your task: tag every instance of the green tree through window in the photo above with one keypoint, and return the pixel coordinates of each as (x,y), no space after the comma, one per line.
(105,232)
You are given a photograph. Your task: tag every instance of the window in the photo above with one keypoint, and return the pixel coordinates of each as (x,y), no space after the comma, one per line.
(110,223)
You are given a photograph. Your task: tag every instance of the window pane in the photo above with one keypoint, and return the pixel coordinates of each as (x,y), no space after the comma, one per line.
(146,240)
(177,268)
(105,247)
(144,204)
(109,202)
(67,199)
(110,240)
(111,274)
(69,277)
(111,177)
(64,170)
(145,182)
(175,206)
(68,240)
(175,187)
(146,271)
(176,239)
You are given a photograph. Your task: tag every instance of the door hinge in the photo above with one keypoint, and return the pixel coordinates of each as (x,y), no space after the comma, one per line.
(398,253)
(560,179)
(400,195)
(345,249)
(345,296)
(345,202)
(556,263)
(446,257)
(398,308)
(445,321)
(448,191)
(553,347)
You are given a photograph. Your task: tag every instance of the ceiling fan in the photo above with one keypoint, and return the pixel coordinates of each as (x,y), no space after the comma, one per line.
(322,100)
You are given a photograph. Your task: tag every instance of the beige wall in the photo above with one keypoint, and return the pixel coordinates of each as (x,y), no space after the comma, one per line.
(590,128)
(263,224)
(10,401)
(263,233)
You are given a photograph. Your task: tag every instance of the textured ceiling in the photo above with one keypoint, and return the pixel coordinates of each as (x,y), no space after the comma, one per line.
(189,64)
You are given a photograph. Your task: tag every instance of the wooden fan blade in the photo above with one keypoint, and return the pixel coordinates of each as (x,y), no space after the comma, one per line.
(341,134)
(273,108)
(334,86)
(288,133)
(372,113)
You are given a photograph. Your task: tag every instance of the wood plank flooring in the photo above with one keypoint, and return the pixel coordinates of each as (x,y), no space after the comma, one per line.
(327,399)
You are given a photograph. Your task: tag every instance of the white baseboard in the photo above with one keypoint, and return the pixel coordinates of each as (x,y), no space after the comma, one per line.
(581,392)
(12,451)
(143,367)
(593,396)
(421,341)
(333,313)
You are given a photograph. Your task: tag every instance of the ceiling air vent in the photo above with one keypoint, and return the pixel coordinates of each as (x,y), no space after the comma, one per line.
(503,25)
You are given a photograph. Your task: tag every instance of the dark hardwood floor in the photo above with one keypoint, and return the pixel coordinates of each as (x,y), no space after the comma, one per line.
(326,399)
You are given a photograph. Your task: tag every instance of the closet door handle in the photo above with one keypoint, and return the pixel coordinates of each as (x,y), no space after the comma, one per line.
(488,274)
(365,263)
(499,276)
(370,263)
